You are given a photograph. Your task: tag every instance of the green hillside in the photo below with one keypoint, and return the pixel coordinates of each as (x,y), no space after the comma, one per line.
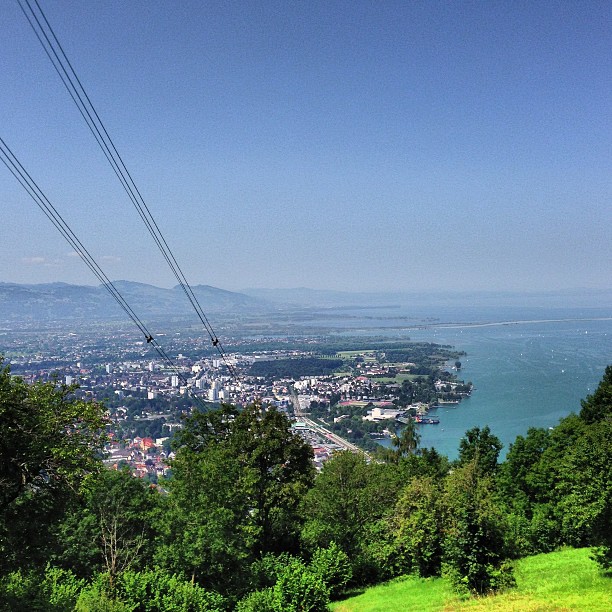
(246,523)
(559,581)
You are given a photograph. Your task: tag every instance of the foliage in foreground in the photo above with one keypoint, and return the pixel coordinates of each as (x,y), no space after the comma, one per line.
(245,522)
(49,442)
(59,590)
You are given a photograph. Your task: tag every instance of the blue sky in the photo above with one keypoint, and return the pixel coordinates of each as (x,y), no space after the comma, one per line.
(334,145)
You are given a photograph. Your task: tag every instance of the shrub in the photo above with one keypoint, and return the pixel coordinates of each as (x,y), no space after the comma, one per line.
(20,591)
(153,591)
(332,565)
(419,526)
(300,590)
(258,601)
(602,555)
(517,536)
(96,599)
(61,588)
(544,530)
(265,571)
(55,591)
(480,579)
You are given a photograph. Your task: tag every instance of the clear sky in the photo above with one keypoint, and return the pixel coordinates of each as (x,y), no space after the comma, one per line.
(344,145)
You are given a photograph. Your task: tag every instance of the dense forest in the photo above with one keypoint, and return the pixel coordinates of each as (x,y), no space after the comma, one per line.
(295,368)
(244,523)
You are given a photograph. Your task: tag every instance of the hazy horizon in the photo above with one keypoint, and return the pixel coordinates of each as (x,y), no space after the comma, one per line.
(296,288)
(350,146)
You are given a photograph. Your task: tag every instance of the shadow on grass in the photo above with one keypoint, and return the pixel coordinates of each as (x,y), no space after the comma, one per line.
(353,592)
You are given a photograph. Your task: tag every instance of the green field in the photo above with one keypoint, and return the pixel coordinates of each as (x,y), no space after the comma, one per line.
(560,581)
(398,378)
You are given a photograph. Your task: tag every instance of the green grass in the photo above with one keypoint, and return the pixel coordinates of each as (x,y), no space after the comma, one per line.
(562,581)
(418,594)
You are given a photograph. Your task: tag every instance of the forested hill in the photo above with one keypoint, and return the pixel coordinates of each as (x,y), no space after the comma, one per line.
(63,301)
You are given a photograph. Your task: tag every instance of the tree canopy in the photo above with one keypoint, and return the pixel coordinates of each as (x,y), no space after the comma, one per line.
(245,523)
(49,442)
(598,406)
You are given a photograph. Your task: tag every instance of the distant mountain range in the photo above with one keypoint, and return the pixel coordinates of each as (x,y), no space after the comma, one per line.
(63,301)
(56,301)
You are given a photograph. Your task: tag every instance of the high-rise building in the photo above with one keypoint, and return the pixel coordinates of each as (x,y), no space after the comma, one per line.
(213,394)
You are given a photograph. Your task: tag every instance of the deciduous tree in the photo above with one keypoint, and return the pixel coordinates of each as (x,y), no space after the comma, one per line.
(408,441)
(111,529)
(280,468)
(598,406)
(474,542)
(419,526)
(482,445)
(49,442)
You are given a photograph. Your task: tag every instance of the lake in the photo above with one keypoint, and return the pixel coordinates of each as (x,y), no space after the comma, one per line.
(528,373)
(525,375)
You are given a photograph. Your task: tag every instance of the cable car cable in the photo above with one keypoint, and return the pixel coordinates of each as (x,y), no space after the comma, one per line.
(27,182)
(69,78)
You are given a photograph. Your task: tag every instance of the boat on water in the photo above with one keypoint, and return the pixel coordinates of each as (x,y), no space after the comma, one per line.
(426,420)
(421,420)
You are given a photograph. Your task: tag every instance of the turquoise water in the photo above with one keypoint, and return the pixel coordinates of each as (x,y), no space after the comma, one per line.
(525,375)
(531,360)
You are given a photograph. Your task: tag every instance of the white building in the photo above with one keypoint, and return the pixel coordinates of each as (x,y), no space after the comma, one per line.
(381,414)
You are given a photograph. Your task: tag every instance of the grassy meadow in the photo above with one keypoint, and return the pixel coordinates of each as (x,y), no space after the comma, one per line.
(561,581)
